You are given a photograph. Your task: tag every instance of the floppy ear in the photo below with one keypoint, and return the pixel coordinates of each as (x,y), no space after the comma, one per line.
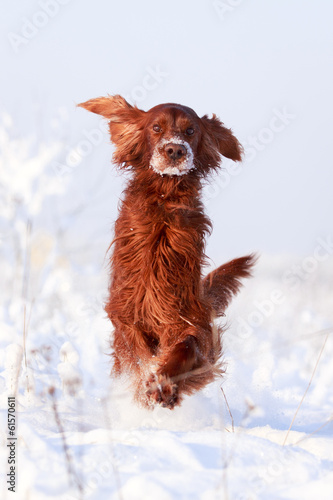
(126,124)
(221,138)
(111,107)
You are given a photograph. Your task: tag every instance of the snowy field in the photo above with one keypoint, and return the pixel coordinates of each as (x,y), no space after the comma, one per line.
(264,431)
(79,435)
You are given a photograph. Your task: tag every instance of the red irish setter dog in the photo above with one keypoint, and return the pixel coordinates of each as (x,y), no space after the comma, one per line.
(160,306)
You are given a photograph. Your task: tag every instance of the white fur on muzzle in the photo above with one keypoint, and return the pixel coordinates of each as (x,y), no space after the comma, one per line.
(162,166)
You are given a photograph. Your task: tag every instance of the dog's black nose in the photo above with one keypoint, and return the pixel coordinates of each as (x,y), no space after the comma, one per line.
(175,151)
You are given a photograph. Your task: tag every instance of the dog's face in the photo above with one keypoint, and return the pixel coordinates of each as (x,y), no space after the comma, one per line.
(173,133)
(169,139)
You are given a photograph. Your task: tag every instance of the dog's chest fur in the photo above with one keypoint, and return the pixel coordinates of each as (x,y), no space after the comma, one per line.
(160,250)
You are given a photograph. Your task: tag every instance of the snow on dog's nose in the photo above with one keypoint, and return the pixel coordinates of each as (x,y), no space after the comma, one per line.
(172,157)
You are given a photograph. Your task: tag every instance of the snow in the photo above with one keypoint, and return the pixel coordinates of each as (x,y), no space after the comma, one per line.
(79,434)
(262,67)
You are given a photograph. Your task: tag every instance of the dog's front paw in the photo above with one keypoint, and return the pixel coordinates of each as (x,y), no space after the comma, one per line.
(162,391)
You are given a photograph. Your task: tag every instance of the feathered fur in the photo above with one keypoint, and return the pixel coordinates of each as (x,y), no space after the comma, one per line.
(159,304)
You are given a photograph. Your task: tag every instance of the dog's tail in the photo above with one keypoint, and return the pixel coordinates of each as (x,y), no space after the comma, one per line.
(223,283)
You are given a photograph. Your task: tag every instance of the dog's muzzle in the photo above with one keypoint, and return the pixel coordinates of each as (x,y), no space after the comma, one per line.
(172,157)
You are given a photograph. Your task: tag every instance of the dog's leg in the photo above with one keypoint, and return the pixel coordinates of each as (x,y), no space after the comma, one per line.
(174,365)
(130,349)
(182,358)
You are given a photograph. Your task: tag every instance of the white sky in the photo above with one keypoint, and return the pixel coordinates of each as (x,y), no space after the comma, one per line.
(251,62)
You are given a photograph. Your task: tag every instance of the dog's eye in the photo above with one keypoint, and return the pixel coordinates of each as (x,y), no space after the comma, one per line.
(190,131)
(156,128)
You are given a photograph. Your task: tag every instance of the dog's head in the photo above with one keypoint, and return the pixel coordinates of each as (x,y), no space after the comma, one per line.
(169,139)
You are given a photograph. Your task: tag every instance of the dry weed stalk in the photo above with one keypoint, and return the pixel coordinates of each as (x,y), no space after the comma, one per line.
(228,407)
(315,431)
(114,466)
(72,475)
(307,389)
(25,287)
(250,407)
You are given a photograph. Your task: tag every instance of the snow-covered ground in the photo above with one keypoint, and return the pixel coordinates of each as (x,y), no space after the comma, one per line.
(79,435)
(265,69)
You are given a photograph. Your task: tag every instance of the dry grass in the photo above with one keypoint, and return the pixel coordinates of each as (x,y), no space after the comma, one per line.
(307,389)
(223,484)
(25,288)
(72,475)
(114,465)
(228,408)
